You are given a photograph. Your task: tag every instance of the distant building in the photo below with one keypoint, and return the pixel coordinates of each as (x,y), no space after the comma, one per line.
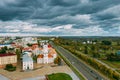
(118,53)
(7,45)
(8,58)
(27,40)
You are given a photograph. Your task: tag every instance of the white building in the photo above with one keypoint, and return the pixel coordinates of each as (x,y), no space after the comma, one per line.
(7,45)
(47,56)
(27,61)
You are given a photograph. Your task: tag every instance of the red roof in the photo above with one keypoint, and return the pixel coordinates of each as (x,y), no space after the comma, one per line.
(26,49)
(7,54)
(49,46)
(13,43)
(41,56)
(35,44)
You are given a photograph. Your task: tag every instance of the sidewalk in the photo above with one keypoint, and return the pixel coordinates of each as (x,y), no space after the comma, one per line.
(3,77)
(36,78)
(73,75)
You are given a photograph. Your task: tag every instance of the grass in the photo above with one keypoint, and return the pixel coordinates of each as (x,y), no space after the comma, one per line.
(59,76)
(113,64)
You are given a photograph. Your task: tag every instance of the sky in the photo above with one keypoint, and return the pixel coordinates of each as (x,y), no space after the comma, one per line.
(59,17)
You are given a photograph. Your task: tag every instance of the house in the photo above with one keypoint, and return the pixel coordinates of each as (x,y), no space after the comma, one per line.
(27,62)
(7,45)
(27,40)
(8,58)
(118,53)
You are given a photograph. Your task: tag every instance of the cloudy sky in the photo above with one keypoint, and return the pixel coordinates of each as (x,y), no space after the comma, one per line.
(60,17)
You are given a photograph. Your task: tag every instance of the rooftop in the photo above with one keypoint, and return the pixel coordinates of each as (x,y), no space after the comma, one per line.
(7,54)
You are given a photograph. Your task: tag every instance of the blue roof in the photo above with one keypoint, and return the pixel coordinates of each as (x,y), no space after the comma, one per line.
(27,58)
(5,44)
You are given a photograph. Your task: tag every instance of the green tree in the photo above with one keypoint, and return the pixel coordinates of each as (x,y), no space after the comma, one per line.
(105,42)
(86,50)
(29,44)
(57,60)
(3,51)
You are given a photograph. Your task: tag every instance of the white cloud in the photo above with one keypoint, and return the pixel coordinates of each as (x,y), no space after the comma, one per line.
(62,27)
(26,28)
(89,31)
(5,2)
(84,1)
(85,18)
(115,10)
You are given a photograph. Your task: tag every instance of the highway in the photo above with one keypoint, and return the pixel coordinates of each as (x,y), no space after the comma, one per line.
(83,68)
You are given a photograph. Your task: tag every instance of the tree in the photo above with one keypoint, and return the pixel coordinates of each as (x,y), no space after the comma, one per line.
(18,52)
(3,51)
(57,60)
(29,44)
(113,57)
(105,42)
(5,48)
(86,50)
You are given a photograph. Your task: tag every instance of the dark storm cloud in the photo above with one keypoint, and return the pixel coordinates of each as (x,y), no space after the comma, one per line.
(44,9)
(63,2)
(79,13)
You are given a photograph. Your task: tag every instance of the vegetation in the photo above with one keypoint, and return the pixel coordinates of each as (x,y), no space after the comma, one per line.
(29,44)
(105,42)
(18,53)
(34,58)
(57,60)
(59,76)
(103,49)
(3,50)
(10,67)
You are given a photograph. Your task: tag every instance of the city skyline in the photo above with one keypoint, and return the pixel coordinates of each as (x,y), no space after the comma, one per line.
(60,17)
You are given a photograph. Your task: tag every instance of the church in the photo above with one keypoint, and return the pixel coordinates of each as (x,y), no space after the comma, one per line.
(47,55)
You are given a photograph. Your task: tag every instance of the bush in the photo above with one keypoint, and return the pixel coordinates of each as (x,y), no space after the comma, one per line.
(59,76)
(10,67)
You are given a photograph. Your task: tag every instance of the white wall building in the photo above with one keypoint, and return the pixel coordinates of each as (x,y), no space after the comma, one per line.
(27,62)
(47,56)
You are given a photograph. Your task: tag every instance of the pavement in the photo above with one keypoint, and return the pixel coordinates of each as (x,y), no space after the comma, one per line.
(35,74)
(36,78)
(72,74)
(3,77)
(89,73)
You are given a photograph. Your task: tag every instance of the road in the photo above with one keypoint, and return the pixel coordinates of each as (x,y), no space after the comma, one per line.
(83,68)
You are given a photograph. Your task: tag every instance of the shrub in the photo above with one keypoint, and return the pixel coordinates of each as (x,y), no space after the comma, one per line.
(10,67)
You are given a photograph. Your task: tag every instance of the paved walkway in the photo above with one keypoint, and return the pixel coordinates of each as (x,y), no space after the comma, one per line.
(36,78)
(73,75)
(3,77)
(35,73)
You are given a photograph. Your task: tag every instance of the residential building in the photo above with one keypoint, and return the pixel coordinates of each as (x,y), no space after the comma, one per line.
(8,58)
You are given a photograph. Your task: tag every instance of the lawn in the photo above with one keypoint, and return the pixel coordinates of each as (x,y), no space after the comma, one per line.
(59,76)
(113,64)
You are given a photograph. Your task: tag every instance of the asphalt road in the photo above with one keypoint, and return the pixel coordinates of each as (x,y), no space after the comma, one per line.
(83,68)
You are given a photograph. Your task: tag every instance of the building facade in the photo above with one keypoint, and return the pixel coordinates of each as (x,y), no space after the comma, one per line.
(8,58)
(27,62)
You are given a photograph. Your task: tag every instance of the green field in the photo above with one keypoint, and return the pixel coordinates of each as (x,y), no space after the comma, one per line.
(59,76)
